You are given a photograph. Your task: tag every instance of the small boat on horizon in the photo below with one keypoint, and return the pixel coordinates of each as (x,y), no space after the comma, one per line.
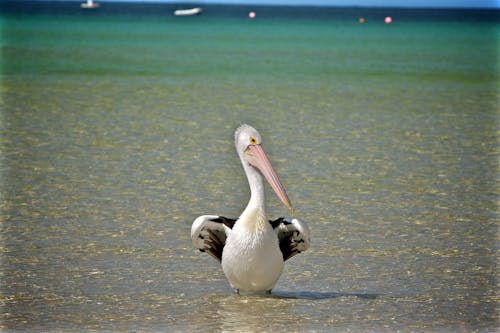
(89,4)
(188,12)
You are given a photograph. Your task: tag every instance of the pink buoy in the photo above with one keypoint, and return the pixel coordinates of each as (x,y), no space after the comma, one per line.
(388,20)
(251,15)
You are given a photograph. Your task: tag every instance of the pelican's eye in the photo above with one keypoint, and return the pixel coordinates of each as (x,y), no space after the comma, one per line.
(253,141)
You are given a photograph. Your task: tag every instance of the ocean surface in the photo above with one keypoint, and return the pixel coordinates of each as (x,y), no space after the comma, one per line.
(117,130)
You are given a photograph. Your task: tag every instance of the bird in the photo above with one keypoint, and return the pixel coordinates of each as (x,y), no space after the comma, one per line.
(252,249)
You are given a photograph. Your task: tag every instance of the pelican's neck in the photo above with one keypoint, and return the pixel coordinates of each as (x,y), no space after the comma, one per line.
(255,212)
(257,194)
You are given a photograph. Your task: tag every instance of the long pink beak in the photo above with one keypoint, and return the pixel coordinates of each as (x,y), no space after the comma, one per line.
(257,157)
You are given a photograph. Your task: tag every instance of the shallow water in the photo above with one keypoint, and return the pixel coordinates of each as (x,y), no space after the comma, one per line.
(386,141)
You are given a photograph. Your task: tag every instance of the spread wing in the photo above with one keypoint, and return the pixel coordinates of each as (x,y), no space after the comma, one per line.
(293,235)
(209,233)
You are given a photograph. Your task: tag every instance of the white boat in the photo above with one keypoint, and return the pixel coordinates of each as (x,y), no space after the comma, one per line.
(89,4)
(188,12)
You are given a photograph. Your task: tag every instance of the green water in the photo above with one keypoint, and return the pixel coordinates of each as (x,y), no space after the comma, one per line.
(116,132)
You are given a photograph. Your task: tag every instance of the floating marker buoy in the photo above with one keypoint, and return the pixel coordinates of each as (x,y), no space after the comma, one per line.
(361,20)
(388,20)
(251,15)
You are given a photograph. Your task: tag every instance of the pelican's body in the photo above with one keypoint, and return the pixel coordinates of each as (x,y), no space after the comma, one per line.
(252,260)
(252,249)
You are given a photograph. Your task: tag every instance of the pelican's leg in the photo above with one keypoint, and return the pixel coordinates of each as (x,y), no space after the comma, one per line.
(268,292)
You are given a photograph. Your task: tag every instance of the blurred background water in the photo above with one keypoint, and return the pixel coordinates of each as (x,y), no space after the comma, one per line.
(117,131)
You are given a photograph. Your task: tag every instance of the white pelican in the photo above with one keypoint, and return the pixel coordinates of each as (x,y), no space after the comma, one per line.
(252,249)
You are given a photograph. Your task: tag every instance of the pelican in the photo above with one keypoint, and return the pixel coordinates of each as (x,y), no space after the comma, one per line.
(252,249)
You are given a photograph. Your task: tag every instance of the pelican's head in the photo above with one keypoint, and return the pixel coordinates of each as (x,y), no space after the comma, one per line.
(249,147)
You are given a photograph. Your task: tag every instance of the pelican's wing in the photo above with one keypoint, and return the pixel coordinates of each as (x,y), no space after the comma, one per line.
(209,233)
(293,235)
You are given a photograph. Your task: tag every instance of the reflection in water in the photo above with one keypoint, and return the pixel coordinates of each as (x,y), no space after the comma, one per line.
(254,313)
(280,311)
(322,295)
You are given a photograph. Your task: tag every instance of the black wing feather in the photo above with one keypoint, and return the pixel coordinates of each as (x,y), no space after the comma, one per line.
(228,222)
(214,239)
(278,221)
(293,236)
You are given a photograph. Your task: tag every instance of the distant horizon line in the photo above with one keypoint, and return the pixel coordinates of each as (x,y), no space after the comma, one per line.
(227,3)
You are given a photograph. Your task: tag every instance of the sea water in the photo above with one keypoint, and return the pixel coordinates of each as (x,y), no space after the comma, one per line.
(117,132)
